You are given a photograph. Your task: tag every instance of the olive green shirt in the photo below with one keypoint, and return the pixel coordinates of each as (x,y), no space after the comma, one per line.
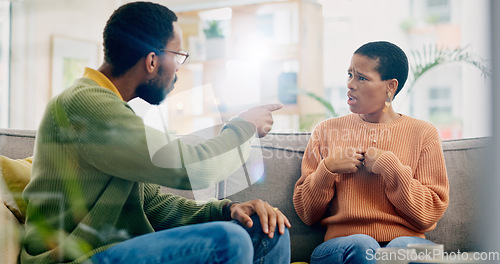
(94,183)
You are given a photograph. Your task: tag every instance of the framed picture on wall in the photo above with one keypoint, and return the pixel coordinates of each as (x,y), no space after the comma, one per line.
(69,58)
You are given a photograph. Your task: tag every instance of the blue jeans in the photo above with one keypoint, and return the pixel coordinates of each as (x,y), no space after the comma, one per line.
(354,248)
(213,242)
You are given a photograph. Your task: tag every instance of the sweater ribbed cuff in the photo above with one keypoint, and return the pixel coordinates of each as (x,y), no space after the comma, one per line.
(324,178)
(226,210)
(242,124)
(217,209)
(381,165)
(388,165)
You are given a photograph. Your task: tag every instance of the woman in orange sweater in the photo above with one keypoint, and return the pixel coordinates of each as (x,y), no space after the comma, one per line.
(375,178)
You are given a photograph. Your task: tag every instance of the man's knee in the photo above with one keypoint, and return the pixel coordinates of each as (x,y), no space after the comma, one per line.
(235,239)
(276,248)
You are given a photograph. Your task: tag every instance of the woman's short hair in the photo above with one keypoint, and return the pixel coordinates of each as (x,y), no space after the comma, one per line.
(392,61)
(133,31)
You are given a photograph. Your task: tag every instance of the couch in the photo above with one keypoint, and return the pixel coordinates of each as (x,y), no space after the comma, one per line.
(281,154)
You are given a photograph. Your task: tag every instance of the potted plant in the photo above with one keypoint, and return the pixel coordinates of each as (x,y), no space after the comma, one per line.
(213,30)
(431,56)
(216,43)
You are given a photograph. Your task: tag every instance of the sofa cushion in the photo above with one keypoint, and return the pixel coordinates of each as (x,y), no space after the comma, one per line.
(282,155)
(15,174)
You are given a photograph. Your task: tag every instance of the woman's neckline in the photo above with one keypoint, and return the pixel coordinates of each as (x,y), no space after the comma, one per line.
(394,121)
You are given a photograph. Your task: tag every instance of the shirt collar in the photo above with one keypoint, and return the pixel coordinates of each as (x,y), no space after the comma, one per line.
(102,80)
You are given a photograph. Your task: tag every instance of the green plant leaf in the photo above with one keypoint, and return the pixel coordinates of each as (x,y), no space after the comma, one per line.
(213,30)
(431,56)
(324,102)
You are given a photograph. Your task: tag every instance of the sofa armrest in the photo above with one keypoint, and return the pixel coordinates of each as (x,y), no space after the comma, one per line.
(10,236)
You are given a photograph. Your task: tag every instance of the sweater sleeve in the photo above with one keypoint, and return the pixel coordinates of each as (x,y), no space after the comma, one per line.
(316,187)
(205,161)
(167,210)
(108,135)
(420,195)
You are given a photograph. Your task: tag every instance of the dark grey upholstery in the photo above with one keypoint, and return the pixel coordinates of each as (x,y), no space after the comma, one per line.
(282,155)
(457,229)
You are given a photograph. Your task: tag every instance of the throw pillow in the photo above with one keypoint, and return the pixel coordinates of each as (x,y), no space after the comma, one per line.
(14,176)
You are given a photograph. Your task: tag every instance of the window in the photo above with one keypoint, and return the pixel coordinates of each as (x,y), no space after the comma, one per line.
(438,11)
(441,112)
(440,101)
(4,62)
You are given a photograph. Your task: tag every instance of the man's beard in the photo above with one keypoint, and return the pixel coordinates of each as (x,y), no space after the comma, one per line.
(153,91)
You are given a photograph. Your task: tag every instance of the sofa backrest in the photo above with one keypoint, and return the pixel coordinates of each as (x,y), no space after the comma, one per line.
(17,144)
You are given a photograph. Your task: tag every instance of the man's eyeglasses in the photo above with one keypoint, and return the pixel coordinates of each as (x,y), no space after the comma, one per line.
(180,56)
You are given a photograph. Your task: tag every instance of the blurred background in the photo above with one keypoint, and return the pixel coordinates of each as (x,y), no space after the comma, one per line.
(249,52)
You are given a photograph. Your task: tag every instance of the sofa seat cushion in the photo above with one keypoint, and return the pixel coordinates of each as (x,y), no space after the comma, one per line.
(14,176)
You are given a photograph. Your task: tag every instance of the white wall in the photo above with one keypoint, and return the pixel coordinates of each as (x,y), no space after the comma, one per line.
(350,24)
(190,5)
(476,111)
(34,23)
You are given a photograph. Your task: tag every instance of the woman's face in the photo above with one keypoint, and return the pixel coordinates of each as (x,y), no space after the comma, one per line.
(367,92)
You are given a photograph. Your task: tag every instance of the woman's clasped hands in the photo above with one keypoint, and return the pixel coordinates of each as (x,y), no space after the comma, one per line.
(351,160)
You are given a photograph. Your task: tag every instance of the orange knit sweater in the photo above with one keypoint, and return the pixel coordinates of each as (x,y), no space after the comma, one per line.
(406,196)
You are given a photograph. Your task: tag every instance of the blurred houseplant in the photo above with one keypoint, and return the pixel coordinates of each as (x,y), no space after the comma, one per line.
(216,43)
(213,30)
(431,56)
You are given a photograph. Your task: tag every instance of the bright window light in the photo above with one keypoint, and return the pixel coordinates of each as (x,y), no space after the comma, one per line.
(243,83)
(216,14)
(4,62)
(337,8)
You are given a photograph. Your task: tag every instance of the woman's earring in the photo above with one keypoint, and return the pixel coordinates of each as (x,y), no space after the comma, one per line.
(387,103)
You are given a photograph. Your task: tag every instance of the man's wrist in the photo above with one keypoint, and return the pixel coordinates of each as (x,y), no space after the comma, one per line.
(226,210)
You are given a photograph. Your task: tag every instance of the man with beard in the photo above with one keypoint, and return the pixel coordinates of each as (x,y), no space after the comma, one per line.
(94,196)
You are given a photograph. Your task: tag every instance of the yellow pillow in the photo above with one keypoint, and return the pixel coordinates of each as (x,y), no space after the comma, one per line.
(14,175)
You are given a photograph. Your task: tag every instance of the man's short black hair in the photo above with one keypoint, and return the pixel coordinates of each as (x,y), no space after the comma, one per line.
(133,31)
(392,61)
